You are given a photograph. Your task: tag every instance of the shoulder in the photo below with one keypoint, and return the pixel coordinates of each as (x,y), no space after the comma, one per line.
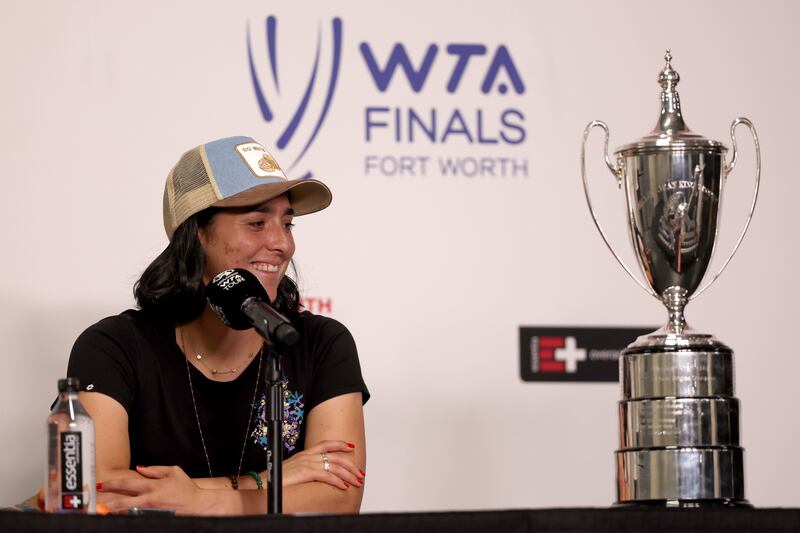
(125,325)
(328,353)
(120,333)
(320,326)
(321,334)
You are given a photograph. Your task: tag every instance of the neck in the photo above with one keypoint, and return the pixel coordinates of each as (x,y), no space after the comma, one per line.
(214,340)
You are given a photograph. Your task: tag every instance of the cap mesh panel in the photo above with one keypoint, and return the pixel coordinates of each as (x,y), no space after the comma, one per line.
(188,189)
(189,173)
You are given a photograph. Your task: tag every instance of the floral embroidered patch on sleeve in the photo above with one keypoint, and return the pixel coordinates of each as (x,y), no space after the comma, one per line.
(293,414)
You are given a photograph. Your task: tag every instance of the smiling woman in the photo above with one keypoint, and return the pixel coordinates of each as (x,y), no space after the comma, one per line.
(175,390)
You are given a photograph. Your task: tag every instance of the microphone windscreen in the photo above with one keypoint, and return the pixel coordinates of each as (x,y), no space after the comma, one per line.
(229,290)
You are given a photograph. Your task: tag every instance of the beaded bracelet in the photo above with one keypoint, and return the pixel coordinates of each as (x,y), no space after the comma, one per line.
(234,482)
(257,477)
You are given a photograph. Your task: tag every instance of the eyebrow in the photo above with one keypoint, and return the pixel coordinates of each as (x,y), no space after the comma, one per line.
(264,208)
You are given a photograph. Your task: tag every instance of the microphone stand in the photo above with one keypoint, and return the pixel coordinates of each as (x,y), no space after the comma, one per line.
(274,384)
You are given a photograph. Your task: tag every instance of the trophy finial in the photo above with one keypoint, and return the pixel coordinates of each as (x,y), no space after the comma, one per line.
(669,77)
(671,120)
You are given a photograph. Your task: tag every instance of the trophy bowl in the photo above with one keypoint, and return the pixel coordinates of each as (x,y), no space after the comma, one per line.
(678,416)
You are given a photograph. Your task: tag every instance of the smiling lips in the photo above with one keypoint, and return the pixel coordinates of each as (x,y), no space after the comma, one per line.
(265,267)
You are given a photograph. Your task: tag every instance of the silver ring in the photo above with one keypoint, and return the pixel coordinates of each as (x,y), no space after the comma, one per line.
(325,464)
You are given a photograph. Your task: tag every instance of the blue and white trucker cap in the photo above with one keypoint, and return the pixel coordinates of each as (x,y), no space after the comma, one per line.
(234,172)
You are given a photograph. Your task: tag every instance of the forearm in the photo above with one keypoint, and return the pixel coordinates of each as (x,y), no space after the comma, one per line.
(222,483)
(317,497)
(310,497)
(203,482)
(313,497)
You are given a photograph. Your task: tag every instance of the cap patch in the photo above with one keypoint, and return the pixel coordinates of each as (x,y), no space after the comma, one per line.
(259,161)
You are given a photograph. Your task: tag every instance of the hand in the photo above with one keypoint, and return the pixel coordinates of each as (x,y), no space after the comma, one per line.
(166,487)
(308,466)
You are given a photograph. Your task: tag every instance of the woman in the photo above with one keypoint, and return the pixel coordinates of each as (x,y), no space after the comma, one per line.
(178,398)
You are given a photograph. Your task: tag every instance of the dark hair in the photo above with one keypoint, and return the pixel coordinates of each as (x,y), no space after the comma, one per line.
(172,285)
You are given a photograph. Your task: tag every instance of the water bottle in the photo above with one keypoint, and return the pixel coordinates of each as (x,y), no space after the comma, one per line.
(70,482)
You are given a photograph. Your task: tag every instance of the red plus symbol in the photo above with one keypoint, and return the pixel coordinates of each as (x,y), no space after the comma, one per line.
(72,502)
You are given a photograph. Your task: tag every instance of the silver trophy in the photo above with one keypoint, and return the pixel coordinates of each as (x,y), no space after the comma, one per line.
(678,417)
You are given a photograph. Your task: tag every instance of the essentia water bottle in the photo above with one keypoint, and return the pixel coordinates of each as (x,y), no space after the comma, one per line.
(70,483)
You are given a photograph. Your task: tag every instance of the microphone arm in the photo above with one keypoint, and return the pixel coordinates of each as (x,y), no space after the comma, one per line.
(277,332)
(270,324)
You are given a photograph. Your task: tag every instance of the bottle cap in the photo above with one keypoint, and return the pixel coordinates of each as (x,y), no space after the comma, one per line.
(69,385)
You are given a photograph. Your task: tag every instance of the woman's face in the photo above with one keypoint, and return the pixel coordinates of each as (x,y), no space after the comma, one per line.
(258,239)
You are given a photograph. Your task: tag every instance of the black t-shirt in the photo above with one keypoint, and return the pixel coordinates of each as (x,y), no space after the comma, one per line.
(133,358)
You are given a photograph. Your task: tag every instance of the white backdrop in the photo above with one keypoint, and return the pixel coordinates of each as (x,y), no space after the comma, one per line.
(433,274)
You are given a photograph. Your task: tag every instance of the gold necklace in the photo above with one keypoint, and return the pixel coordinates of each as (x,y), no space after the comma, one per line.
(221,372)
(197,416)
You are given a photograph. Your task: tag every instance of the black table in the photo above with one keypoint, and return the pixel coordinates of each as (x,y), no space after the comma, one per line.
(618,520)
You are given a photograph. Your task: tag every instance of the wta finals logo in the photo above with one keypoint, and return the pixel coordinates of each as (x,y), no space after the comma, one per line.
(446,109)
(300,138)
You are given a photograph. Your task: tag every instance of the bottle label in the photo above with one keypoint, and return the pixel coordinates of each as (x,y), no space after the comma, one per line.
(72,497)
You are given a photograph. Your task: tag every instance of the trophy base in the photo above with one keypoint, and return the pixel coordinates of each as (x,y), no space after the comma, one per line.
(680,474)
(679,424)
(683,504)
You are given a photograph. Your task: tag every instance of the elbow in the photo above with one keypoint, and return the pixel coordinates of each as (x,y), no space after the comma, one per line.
(347,502)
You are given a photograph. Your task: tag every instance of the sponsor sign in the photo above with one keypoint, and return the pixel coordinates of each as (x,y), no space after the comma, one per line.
(573,354)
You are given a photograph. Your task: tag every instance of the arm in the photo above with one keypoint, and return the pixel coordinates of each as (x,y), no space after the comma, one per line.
(340,418)
(337,419)
(112,446)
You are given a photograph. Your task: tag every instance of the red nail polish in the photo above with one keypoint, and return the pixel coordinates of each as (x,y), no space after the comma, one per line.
(138,467)
(346,485)
(362,472)
(351,445)
(99,486)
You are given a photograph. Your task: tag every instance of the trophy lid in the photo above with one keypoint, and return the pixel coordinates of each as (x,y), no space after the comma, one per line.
(671,132)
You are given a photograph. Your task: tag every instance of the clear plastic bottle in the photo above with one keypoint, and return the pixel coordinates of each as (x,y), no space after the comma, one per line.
(70,482)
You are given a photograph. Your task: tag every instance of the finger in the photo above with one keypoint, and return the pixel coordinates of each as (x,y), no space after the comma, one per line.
(347,463)
(126,486)
(330,478)
(345,475)
(346,468)
(307,469)
(154,472)
(40,499)
(121,505)
(331,446)
(338,465)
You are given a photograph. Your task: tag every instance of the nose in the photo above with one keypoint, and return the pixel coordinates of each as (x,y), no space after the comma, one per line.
(278,238)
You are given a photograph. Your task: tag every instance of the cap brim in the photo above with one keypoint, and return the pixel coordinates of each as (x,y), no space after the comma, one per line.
(305,195)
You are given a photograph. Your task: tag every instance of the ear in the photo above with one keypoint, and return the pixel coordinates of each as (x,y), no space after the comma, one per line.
(202,236)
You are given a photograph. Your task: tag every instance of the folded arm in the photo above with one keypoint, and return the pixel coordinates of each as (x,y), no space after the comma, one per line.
(335,427)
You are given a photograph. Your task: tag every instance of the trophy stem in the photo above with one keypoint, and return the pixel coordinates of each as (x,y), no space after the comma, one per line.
(675,298)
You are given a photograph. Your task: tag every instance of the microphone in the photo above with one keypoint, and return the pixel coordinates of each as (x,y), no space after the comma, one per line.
(241,302)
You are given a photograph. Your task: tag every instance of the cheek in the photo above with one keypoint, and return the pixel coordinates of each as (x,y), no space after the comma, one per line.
(230,251)
(220,256)
(290,250)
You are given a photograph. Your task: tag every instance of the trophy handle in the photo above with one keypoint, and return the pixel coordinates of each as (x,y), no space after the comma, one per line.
(616,170)
(728,169)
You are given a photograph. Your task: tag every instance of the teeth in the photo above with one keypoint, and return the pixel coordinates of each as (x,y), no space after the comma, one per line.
(265,267)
